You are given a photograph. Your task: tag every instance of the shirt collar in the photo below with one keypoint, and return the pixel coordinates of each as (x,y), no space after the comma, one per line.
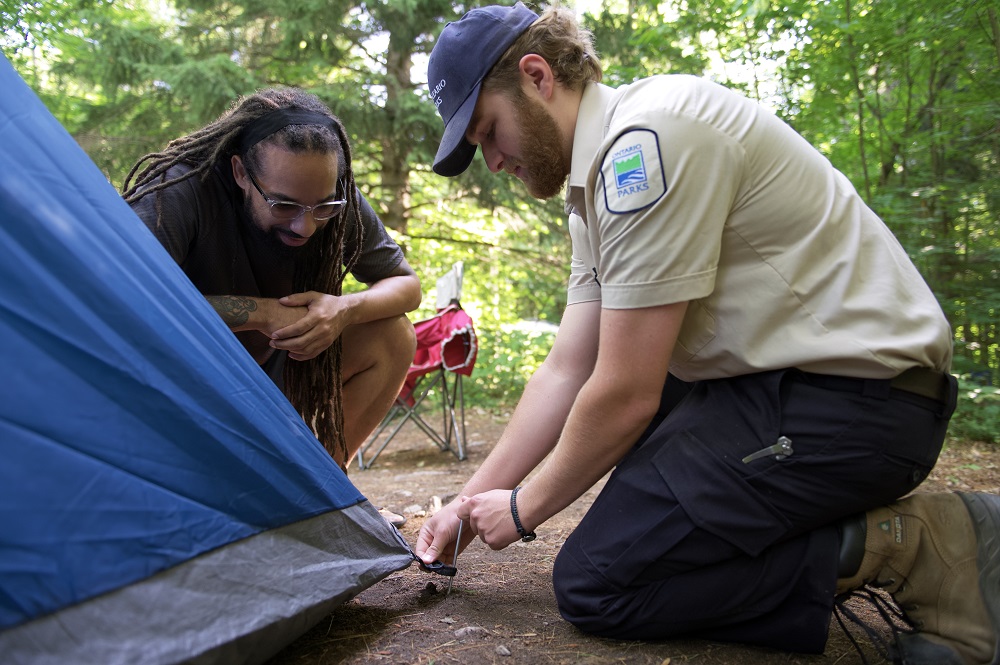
(590,130)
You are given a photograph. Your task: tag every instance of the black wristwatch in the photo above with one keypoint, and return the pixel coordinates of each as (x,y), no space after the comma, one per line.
(526,536)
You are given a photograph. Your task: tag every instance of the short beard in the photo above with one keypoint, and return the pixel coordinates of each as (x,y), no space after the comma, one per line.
(269,239)
(543,161)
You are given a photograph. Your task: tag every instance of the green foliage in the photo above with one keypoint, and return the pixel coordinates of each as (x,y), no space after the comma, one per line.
(903,96)
(508,356)
(978,413)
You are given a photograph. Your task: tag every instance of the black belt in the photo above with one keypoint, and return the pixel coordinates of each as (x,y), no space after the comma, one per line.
(923,381)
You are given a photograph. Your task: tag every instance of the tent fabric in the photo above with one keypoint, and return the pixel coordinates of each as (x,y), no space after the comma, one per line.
(175,616)
(152,472)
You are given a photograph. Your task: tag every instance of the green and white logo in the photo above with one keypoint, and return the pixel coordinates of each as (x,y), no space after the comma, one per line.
(632,172)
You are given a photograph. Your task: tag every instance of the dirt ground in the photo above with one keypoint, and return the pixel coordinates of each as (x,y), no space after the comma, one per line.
(501,608)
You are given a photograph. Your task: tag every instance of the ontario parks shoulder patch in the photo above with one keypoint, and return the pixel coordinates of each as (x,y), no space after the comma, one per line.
(632,172)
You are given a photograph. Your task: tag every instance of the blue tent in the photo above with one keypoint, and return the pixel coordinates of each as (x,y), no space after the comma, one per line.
(160,499)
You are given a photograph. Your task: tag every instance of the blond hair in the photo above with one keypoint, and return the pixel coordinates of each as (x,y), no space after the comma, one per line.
(558,37)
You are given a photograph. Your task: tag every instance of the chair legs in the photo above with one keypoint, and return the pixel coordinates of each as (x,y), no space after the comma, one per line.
(450,437)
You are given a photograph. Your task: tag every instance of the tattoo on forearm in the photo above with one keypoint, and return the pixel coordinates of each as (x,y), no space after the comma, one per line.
(234,310)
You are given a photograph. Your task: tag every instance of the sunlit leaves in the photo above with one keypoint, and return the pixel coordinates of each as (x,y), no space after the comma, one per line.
(901,95)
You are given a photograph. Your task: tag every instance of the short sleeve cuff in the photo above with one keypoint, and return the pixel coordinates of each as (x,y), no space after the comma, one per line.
(663,292)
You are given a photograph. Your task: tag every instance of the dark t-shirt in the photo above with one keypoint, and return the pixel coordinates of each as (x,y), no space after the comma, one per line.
(205,229)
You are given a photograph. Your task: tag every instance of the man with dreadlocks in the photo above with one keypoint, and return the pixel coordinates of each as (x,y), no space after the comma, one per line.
(260,210)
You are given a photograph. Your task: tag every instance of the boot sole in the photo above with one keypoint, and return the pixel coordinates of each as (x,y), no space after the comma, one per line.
(985,512)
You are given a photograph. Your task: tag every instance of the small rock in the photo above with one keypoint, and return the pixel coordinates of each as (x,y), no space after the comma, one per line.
(414,509)
(435,505)
(502,650)
(447,620)
(470,631)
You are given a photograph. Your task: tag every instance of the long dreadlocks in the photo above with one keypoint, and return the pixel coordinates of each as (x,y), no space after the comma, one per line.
(314,388)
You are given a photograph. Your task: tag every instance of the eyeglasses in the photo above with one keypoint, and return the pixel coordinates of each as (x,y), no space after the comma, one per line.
(288,210)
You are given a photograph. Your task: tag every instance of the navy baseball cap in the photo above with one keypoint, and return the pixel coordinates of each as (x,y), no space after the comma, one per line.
(463,55)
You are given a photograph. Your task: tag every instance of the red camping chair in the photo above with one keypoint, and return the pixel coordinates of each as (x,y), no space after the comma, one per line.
(446,351)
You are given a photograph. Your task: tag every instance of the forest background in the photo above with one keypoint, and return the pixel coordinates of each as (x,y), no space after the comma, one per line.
(903,96)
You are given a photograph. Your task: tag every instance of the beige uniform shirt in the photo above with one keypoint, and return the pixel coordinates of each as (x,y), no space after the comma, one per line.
(682,190)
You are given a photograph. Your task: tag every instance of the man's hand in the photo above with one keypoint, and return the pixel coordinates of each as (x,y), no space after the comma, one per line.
(325,319)
(489,517)
(436,541)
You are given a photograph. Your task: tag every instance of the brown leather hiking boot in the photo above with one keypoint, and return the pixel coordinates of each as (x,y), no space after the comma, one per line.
(938,555)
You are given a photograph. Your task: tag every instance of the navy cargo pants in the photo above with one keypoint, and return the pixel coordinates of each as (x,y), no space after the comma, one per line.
(689,539)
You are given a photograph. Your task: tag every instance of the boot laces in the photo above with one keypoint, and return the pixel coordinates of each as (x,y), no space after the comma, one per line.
(893,616)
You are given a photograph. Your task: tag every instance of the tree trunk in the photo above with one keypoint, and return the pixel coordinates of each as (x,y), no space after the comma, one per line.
(396,144)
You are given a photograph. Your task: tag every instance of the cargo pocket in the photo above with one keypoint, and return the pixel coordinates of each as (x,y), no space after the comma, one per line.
(716,497)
